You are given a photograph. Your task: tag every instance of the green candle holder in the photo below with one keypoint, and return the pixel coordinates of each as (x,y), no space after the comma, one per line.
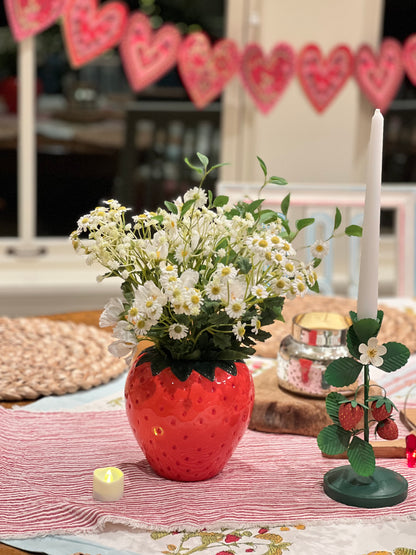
(362,483)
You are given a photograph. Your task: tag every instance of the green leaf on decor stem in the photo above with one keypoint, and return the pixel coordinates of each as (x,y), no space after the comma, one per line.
(332,403)
(361,456)
(203,159)
(277,180)
(338,218)
(243,264)
(305,222)
(262,165)
(221,200)
(171,206)
(342,371)
(315,287)
(267,216)
(333,440)
(397,355)
(284,205)
(354,231)
(353,342)
(252,207)
(186,206)
(195,168)
(367,327)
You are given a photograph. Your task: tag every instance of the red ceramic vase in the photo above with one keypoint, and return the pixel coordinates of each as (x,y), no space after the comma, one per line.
(188,429)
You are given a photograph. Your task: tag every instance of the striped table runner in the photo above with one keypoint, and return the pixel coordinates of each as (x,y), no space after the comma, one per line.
(47,461)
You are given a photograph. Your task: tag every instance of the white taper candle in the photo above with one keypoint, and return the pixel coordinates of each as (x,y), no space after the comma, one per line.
(368,281)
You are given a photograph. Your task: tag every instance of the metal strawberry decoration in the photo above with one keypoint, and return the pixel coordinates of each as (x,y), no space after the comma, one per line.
(352,419)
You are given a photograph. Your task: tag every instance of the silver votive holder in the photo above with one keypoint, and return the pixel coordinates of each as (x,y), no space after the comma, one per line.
(316,340)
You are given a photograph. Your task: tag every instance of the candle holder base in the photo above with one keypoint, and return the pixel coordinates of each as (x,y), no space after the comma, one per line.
(384,488)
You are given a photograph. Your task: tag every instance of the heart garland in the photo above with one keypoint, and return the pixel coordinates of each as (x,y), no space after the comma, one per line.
(148,55)
(379,77)
(30,18)
(205,70)
(90,30)
(266,77)
(323,78)
(409,58)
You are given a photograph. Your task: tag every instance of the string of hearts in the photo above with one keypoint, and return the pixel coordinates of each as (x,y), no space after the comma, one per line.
(89,30)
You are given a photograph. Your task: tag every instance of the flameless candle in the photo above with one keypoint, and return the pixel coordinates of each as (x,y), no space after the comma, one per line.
(368,282)
(108,484)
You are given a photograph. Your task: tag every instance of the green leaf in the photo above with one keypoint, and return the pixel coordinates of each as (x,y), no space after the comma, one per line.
(262,165)
(361,456)
(186,206)
(366,328)
(284,206)
(267,216)
(353,342)
(195,168)
(305,222)
(397,355)
(221,200)
(333,440)
(314,287)
(338,218)
(354,231)
(244,265)
(252,207)
(332,403)
(171,206)
(219,165)
(277,180)
(342,371)
(203,159)
(209,197)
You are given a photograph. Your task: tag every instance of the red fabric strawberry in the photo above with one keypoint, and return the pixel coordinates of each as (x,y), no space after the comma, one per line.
(382,412)
(387,429)
(349,415)
(229,538)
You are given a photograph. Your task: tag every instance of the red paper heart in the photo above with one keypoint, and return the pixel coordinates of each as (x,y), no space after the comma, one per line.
(409,58)
(29,18)
(204,70)
(322,79)
(266,77)
(379,77)
(148,55)
(90,30)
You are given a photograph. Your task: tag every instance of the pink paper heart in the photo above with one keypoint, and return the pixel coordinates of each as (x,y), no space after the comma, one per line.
(148,55)
(90,30)
(27,18)
(379,77)
(409,58)
(266,76)
(323,78)
(205,70)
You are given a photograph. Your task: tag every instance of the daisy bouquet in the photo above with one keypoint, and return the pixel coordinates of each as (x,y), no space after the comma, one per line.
(200,277)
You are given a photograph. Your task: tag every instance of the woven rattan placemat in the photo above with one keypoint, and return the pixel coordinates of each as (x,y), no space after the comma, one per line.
(40,357)
(397,325)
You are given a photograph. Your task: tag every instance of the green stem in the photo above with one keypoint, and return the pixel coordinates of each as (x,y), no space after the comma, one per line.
(366,394)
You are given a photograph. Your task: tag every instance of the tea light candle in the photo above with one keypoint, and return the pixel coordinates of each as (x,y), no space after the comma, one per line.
(108,484)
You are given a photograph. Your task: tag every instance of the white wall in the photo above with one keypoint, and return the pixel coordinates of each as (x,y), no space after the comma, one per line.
(295,141)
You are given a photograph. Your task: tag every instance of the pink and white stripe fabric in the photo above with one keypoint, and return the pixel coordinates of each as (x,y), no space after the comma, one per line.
(47,461)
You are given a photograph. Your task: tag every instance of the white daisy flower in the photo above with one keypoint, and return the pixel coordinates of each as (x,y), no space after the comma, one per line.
(216,290)
(372,352)
(239,330)
(178,331)
(196,194)
(255,325)
(236,308)
(111,312)
(320,249)
(259,291)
